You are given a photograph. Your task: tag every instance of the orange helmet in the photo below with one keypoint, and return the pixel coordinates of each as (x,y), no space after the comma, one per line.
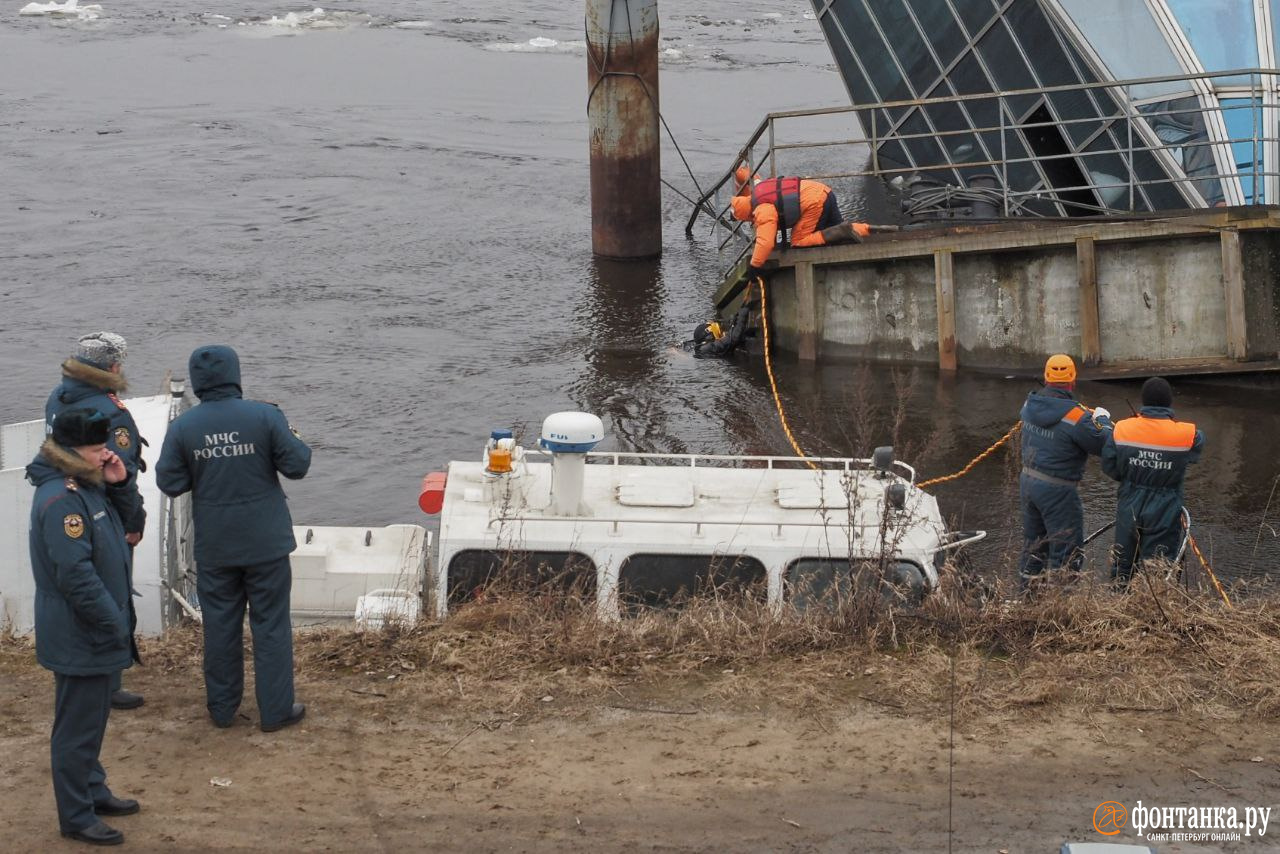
(741,207)
(1060,369)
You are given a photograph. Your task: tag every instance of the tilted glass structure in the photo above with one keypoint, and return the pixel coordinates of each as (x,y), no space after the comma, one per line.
(1184,132)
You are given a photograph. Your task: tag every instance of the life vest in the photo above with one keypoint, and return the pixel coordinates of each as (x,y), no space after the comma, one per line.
(783,194)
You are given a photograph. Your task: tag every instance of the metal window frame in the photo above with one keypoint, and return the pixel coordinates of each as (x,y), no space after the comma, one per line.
(1224,158)
(1085,48)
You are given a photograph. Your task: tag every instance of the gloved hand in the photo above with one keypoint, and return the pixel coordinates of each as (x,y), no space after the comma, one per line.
(754,272)
(1100,413)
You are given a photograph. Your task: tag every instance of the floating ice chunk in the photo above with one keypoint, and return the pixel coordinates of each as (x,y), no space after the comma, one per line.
(538,44)
(69,9)
(810,15)
(413,25)
(293,20)
(673,53)
(774,15)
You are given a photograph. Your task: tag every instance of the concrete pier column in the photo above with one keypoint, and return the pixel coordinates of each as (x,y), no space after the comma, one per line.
(806,313)
(1090,324)
(622,116)
(944,279)
(1233,295)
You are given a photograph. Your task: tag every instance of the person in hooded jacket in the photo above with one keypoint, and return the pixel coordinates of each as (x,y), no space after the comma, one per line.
(1058,437)
(83,610)
(1149,455)
(804,212)
(709,339)
(229,454)
(92,379)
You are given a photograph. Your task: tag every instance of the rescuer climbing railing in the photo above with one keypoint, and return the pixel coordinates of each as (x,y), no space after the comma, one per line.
(1112,163)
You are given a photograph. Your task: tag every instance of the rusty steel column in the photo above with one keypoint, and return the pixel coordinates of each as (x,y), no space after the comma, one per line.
(622,115)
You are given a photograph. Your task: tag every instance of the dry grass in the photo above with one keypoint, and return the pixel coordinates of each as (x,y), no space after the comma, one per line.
(1156,648)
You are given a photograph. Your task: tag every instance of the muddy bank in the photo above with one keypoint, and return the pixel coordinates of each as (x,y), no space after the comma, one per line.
(687,763)
(524,725)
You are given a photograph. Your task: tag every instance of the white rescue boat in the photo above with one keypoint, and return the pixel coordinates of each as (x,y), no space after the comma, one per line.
(644,529)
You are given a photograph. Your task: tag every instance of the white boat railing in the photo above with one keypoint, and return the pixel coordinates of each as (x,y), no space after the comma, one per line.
(692,460)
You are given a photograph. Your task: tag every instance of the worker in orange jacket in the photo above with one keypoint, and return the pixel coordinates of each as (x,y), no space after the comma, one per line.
(805,213)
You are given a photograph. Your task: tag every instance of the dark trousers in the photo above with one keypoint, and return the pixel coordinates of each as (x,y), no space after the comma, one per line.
(830,213)
(224,592)
(81,707)
(1052,527)
(1148,525)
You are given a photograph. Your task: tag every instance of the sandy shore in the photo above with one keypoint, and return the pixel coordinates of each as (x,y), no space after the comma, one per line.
(704,762)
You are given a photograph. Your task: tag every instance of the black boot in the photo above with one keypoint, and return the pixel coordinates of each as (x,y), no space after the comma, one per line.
(125,700)
(298,712)
(116,806)
(96,834)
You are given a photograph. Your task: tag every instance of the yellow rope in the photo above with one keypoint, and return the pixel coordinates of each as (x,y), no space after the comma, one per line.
(1217,584)
(768,368)
(982,456)
(795,446)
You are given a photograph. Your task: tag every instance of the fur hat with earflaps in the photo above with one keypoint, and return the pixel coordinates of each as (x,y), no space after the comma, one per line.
(101,349)
(79,427)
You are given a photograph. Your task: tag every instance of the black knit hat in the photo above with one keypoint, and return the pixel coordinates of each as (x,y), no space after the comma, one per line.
(1157,392)
(701,332)
(78,427)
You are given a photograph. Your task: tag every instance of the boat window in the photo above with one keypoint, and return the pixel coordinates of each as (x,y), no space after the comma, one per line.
(472,571)
(827,582)
(665,580)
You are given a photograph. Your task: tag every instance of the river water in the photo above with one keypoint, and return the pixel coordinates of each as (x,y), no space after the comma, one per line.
(384,209)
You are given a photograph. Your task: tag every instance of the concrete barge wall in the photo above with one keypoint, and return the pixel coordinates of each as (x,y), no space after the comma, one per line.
(1195,293)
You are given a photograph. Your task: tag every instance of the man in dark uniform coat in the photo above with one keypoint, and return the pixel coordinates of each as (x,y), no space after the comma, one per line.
(1149,455)
(91,379)
(83,610)
(229,453)
(1058,437)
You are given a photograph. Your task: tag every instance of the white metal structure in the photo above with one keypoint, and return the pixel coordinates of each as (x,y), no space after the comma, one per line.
(18,446)
(333,567)
(767,512)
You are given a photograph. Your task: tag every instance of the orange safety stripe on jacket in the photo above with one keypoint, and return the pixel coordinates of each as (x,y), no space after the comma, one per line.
(1074,415)
(813,195)
(1160,434)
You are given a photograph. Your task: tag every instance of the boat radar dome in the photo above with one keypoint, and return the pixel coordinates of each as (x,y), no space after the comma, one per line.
(571,432)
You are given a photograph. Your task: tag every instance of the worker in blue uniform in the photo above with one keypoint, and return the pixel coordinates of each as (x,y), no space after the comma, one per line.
(92,379)
(1149,455)
(229,454)
(83,610)
(1058,437)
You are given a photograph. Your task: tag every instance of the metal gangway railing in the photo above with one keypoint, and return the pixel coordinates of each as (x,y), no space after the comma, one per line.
(1126,152)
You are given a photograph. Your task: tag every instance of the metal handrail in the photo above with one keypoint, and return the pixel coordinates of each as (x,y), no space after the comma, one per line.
(1139,138)
(843,463)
